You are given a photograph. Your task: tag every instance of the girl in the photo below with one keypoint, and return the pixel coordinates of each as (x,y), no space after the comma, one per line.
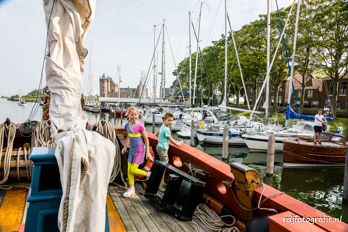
(136,136)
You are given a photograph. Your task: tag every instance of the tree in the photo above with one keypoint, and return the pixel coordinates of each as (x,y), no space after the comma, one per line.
(330,27)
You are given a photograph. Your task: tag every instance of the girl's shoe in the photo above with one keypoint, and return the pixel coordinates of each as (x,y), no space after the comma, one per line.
(146,178)
(129,192)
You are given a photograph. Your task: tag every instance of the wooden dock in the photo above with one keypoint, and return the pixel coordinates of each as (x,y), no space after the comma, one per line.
(138,214)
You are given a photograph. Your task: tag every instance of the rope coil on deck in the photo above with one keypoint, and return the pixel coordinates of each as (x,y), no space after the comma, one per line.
(207,219)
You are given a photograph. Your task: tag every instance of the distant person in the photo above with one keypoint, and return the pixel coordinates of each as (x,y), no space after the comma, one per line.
(319,122)
(136,138)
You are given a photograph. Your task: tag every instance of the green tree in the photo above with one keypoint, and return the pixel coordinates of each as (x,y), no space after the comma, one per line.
(330,27)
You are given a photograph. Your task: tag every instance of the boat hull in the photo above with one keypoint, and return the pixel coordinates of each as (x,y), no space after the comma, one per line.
(309,154)
(260,143)
(217,138)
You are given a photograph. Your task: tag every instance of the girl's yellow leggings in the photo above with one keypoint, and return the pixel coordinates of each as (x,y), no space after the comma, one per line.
(133,170)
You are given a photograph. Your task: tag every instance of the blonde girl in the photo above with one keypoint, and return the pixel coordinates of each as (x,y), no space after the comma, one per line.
(135,140)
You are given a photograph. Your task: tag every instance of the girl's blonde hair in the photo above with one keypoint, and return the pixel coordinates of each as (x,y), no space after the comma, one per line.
(132,108)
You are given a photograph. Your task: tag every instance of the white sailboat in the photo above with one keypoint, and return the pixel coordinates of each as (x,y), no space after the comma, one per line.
(21,100)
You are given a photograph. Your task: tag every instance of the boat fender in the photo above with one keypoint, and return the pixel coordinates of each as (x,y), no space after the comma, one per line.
(201,125)
(147,165)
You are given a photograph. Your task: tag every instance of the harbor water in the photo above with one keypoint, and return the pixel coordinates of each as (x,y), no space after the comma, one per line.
(321,187)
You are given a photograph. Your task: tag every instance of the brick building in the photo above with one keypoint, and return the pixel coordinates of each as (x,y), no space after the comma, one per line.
(318,92)
(108,88)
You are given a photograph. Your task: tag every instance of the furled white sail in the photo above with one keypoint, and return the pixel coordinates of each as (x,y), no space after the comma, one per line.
(84,157)
(67,23)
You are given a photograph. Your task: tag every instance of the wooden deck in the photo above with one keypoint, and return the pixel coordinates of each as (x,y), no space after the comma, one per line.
(138,214)
(12,208)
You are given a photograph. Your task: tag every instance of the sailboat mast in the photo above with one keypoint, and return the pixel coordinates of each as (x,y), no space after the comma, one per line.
(90,75)
(154,64)
(197,51)
(190,62)
(163,87)
(293,55)
(224,102)
(238,62)
(268,56)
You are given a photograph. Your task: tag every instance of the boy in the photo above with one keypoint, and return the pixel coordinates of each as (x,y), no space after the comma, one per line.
(164,137)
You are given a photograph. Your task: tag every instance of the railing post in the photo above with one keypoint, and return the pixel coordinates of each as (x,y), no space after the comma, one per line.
(225,144)
(270,154)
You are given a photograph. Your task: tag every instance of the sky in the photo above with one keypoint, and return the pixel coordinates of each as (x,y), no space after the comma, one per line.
(121,35)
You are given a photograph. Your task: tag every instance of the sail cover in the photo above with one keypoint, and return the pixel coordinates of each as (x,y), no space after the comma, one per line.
(290,113)
(85,158)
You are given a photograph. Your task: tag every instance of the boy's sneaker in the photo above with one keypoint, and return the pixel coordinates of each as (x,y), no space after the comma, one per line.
(129,192)
(315,143)
(319,143)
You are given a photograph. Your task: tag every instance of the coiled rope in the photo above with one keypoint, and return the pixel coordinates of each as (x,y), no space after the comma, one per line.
(41,136)
(7,129)
(206,219)
(106,129)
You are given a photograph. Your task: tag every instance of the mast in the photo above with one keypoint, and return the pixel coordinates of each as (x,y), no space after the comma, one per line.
(154,64)
(90,75)
(190,62)
(197,51)
(224,101)
(268,56)
(293,55)
(163,87)
(238,62)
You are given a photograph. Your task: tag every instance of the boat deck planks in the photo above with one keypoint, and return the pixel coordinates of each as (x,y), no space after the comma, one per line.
(138,214)
(12,208)
(115,221)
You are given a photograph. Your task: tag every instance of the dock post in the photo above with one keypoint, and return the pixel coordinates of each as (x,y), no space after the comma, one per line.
(192,142)
(225,144)
(270,154)
(153,123)
(345,181)
(121,118)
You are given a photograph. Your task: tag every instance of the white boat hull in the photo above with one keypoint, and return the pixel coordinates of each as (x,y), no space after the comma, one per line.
(185,132)
(261,143)
(158,119)
(217,138)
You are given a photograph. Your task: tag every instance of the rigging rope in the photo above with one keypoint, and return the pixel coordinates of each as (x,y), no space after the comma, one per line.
(106,129)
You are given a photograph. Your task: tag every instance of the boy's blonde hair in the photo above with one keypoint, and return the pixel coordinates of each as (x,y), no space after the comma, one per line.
(168,115)
(132,108)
